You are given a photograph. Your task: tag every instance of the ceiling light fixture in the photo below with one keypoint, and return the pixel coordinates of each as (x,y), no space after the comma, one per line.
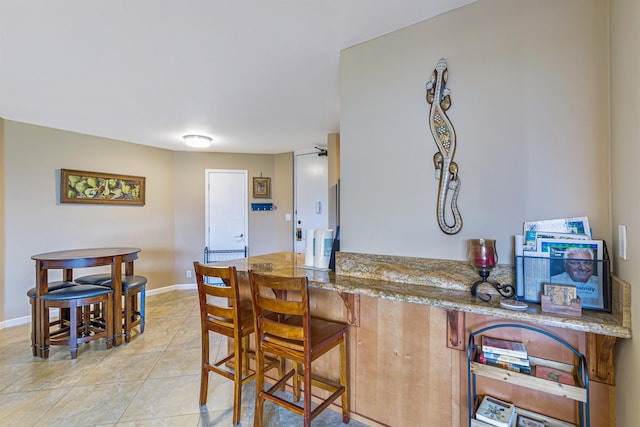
(197,141)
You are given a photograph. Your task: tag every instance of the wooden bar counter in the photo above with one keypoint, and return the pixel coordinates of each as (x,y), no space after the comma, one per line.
(410,319)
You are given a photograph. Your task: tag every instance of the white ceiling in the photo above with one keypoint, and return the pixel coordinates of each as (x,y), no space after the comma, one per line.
(259,76)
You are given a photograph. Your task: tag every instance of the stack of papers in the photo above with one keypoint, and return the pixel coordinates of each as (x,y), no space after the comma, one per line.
(542,252)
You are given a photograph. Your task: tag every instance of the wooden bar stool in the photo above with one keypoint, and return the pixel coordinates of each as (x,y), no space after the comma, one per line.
(84,329)
(295,335)
(222,311)
(134,294)
(60,322)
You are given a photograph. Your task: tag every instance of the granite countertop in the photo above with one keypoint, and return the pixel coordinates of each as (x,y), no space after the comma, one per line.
(438,283)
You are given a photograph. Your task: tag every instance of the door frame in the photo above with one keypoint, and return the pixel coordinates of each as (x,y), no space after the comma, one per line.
(295,190)
(207,217)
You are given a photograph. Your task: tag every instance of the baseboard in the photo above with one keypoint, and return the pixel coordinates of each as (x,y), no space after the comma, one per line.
(178,287)
(15,322)
(27,319)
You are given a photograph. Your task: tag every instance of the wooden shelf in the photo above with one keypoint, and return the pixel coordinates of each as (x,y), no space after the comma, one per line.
(578,393)
(531,381)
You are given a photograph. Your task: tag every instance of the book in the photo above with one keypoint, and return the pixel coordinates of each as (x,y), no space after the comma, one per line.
(499,346)
(556,375)
(528,422)
(496,357)
(508,366)
(496,412)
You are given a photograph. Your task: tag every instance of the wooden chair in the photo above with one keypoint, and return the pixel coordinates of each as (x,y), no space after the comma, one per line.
(78,300)
(295,335)
(222,311)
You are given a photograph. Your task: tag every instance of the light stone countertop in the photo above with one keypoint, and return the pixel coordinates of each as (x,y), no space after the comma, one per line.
(438,283)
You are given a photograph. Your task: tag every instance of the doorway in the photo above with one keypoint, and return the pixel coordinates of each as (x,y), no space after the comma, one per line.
(226,214)
(311,195)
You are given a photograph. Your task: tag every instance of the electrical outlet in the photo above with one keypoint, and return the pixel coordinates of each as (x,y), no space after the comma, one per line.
(188,274)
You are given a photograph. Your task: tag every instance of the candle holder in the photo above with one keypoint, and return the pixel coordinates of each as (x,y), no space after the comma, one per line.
(483,256)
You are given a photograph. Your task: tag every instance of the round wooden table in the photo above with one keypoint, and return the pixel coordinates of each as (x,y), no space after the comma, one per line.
(66,261)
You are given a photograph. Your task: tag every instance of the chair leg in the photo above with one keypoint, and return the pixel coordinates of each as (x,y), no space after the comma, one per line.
(307,393)
(296,381)
(239,371)
(343,380)
(204,372)
(107,309)
(282,370)
(73,330)
(142,302)
(245,356)
(128,312)
(86,316)
(259,407)
(34,322)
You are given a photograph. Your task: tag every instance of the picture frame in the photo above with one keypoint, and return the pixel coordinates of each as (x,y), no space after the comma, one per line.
(261,188)
(101,188)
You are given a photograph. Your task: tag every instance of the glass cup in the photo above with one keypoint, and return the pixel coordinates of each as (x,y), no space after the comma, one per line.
(482,253)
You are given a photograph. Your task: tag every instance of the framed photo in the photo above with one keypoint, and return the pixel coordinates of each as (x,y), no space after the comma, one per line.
(101,188)
(261,188)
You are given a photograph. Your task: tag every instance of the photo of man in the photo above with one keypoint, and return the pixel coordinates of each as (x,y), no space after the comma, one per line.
(580,270)
(578,267)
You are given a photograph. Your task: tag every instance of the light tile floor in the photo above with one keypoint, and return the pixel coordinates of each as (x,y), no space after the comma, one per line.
(154,380)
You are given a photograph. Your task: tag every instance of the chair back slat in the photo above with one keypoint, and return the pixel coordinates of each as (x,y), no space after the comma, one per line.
(274,328)
(281,307)
(218,290)
(220,315)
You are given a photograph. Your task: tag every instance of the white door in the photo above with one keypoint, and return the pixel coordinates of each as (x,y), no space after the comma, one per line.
(226,213)
(311,195)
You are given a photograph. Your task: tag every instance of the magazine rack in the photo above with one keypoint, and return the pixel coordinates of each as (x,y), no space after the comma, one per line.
(532,272)
(578,392)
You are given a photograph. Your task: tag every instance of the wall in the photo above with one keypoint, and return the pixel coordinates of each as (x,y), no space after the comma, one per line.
(625,128)
(36,222)
(268,230)
(530,104)
(529,108)
(333,171)
(169,228)
(2,238)
(283,200)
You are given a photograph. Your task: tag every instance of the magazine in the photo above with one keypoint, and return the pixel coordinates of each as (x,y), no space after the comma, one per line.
(576,225)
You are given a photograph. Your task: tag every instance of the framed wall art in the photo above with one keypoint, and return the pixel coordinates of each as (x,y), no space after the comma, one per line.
(261,188)
(101,188)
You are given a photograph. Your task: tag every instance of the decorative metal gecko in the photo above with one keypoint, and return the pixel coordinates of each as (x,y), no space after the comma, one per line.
(445,137)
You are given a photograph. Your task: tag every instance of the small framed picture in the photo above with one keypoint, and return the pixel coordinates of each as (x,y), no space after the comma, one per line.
(261,188)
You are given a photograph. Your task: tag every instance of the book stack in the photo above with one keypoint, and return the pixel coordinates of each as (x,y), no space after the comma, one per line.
(511,355)
(496,412)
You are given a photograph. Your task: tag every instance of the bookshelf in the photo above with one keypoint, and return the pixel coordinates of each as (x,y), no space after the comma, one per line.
(578,392)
